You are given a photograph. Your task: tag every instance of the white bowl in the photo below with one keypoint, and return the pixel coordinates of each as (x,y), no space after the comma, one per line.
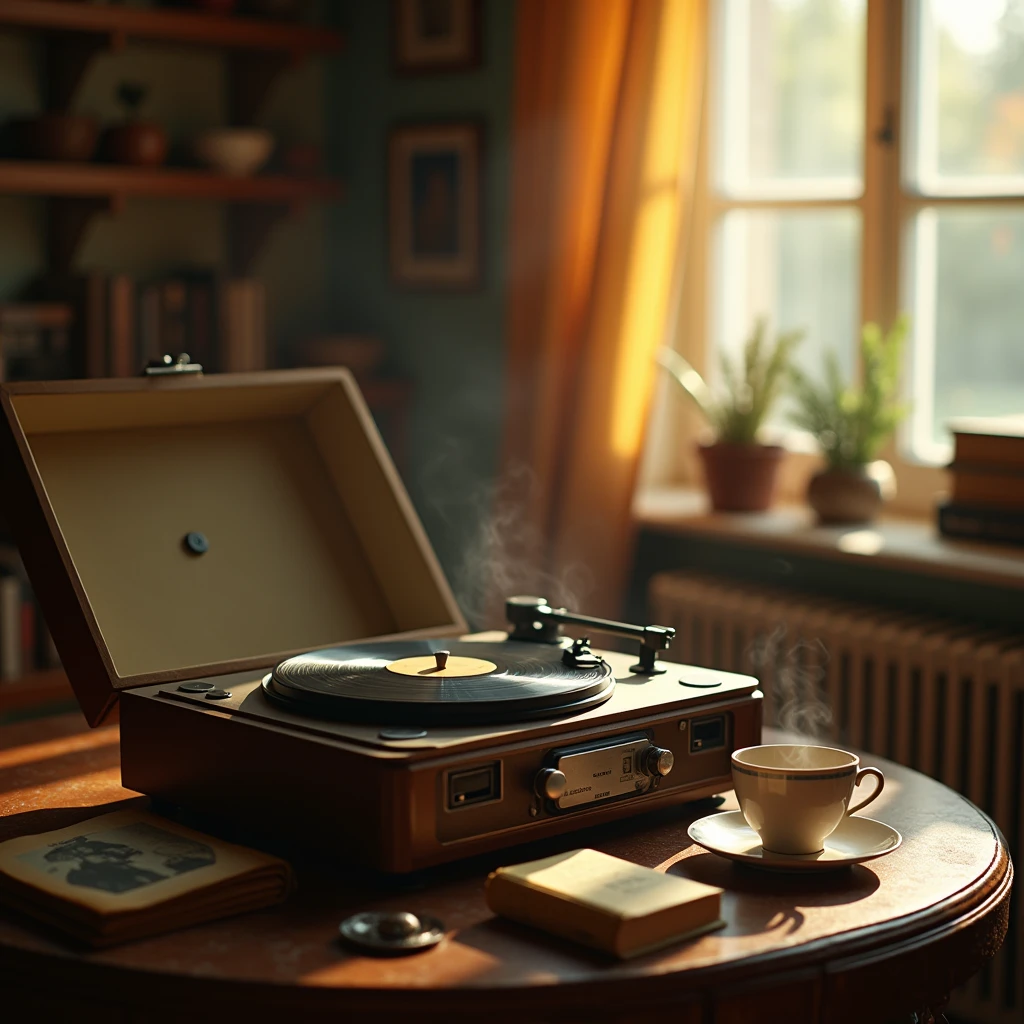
(238,152)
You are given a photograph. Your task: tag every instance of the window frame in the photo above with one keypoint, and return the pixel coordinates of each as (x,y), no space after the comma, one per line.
(888,206)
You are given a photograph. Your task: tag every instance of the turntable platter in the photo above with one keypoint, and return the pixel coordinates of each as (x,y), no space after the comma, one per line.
(406,682)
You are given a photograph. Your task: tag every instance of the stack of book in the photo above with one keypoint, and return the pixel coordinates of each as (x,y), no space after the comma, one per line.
(987,500)
(34,340)
(130,874)
(25,642)
(120,324)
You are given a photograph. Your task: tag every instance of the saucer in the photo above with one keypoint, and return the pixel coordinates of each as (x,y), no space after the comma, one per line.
(854,841)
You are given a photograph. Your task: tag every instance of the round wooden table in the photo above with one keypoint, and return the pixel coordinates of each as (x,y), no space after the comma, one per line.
(872,943)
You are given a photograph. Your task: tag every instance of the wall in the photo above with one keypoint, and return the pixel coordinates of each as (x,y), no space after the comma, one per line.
(152,237)
(449,343)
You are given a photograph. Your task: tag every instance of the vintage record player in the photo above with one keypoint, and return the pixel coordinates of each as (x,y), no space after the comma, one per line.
(234,563)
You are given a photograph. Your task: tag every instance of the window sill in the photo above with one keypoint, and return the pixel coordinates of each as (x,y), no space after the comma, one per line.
(904,545)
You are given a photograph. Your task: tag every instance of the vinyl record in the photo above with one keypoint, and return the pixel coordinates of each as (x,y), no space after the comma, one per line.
(505,682)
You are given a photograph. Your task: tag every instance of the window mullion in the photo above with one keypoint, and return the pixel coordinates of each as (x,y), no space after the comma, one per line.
(882,204)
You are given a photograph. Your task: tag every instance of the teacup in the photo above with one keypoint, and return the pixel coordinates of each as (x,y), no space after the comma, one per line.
(794,795)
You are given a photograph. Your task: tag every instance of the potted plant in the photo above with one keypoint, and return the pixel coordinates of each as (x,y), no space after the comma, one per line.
(851,424)
(740,473)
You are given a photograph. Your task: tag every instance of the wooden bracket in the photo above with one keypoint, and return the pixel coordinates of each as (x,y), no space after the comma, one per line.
(69,217)
(250,78)
(68,55)
(249,227)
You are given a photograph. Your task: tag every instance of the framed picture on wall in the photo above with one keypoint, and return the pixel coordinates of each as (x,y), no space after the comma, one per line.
(435,35)
(434,198)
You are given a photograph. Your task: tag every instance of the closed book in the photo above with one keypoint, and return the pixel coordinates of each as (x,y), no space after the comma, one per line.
(604,902)
(130,874)
(977,522)
(95,326)
(10,627)
(151,343)
(993,440)
(123,356)
(242,310)
(976,483)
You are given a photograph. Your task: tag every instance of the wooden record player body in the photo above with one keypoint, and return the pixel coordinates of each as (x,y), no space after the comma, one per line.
(342,788)
(312,542)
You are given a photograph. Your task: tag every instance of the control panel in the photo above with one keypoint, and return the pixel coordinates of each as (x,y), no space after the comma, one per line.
(668,758)
(597,771)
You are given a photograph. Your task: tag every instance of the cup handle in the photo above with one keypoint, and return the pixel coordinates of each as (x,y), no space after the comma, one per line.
(878,789)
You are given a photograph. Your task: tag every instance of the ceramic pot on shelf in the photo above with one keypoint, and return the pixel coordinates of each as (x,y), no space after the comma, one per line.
(849,495)
(135,142)
(741,477)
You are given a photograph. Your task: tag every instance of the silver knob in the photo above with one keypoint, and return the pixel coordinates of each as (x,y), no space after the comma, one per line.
(551,783)
(658,761)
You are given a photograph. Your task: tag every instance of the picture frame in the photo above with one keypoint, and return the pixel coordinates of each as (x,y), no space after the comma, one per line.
(434,200)
(435,35)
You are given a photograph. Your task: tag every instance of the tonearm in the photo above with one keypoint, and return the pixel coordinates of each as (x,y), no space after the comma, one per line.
(532,618)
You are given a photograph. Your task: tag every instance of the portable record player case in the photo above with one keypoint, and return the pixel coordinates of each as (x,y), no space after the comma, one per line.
(187,528)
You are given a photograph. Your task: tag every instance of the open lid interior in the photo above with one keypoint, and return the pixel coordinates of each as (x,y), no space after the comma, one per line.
(310,537)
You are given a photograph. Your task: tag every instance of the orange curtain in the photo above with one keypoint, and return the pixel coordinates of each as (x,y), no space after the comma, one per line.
(605,127)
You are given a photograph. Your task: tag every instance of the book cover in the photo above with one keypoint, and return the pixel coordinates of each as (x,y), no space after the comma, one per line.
(993,440)
(974,522)
(10,627)
(123,357)
(994,485)
(129,874)
(604,902)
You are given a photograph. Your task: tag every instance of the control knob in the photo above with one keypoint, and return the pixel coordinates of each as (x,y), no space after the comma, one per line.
(658,761)
(551,783)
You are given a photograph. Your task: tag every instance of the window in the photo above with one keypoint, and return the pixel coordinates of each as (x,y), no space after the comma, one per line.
(962,186)
(859,158)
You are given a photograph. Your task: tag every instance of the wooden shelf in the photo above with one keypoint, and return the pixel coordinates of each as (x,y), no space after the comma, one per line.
(35,690)
(110,181)
(162,24)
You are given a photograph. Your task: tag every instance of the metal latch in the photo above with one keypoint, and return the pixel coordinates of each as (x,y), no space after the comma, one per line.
(167,366)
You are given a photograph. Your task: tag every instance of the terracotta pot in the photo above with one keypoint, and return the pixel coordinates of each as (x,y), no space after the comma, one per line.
(845,495)
(740,477)
(139,143)
(58,136)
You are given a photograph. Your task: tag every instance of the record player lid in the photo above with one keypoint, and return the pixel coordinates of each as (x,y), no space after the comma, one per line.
(175,528)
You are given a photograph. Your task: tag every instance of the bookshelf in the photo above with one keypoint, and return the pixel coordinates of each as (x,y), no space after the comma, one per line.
(68,36)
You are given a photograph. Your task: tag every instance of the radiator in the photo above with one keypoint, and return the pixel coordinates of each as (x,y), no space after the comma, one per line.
(943,697)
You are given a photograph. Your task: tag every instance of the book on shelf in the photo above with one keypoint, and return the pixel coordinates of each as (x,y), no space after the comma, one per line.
(979,483)
(989,440)
(11,636)
(981,522)
(35,340)
(118,324)
(604,902)
(25,641)
(242,325)
(131,874)
(121,359)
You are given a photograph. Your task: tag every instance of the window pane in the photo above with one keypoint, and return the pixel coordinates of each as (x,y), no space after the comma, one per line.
(800,269)
(966,92)
(968,302)
(790,93)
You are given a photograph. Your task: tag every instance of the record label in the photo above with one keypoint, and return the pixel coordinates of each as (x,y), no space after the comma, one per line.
(454,668)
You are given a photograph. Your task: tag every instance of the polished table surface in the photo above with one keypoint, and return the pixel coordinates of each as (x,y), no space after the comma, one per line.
(872,942)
